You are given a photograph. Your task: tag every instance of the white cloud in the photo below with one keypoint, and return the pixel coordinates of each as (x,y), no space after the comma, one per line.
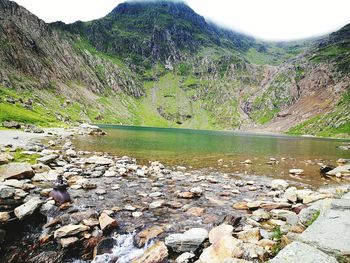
(267,19)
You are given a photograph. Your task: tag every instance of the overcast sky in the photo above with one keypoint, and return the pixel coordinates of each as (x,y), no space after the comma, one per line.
(265,19)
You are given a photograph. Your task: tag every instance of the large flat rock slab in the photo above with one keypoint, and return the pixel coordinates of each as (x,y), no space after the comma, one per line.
(16,171)
(330,233)
(298,252)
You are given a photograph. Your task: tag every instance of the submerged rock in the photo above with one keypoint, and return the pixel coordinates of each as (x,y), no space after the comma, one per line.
(143,237)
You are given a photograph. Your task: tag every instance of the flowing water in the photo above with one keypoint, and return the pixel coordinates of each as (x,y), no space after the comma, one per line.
(202,149)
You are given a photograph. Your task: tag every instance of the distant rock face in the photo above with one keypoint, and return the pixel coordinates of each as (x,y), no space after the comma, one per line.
(16,171)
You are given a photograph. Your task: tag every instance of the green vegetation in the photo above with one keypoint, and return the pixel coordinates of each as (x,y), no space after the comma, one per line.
(313,219)
(333,124)
(19,157)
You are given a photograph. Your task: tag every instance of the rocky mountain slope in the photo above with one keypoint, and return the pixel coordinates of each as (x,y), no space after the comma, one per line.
(161,64)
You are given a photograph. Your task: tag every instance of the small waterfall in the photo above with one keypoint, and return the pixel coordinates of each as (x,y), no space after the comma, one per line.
(123,252)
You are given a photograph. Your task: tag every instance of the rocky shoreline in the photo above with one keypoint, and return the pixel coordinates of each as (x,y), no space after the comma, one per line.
(125,212)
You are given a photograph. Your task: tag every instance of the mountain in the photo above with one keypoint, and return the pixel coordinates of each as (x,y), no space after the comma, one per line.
(159,63)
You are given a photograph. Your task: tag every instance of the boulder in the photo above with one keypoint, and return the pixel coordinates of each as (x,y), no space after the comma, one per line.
(70,230)
(297,252)
(11,125)
(156,253)
(222,250)
(330,232)
(188,241)
(16,171)
(218,232)
(27,208)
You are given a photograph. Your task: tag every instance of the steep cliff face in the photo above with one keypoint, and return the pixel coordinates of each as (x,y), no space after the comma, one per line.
(161,64)
(40,55)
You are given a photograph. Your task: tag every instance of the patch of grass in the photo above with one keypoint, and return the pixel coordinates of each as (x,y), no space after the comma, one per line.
(20,157)
(313,219)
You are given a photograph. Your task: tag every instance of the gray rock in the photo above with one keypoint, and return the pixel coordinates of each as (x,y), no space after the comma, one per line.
(346,196)
(308,213)
(298,252)
(188,241)
(345,169)
(6,191)
(330,233)
(341,204)
(279,184)
(27,208)
(47,159)
(16,171)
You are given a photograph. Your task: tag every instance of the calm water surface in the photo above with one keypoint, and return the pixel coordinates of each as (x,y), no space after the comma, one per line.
(203,149)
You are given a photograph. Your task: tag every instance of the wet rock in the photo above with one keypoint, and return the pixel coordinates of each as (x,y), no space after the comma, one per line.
(47,159)
(129,208)
(106,222)
(218,232)
(4,217)
(105,246)
(279,184)
(5,158)
(195,211)
(101,192)
(299,252)
(70,230)
(156,253)
(143,237)
(16,171)
(2,236)
(224,249)
(68,241)
(78,217)
(185,257)
(88,185)
(188,241)
(27,208)
(232,219)
(6,191)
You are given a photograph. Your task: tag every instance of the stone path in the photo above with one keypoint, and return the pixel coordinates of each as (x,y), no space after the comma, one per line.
(327,240)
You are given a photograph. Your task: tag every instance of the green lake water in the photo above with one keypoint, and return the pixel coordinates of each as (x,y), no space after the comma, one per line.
(203,149)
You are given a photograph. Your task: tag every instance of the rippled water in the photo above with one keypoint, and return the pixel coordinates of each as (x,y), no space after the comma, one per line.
(203,149)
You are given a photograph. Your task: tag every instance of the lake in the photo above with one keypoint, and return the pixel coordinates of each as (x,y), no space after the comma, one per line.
(198,149)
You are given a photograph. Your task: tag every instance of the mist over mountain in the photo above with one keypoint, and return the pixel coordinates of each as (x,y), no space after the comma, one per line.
(159,63)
